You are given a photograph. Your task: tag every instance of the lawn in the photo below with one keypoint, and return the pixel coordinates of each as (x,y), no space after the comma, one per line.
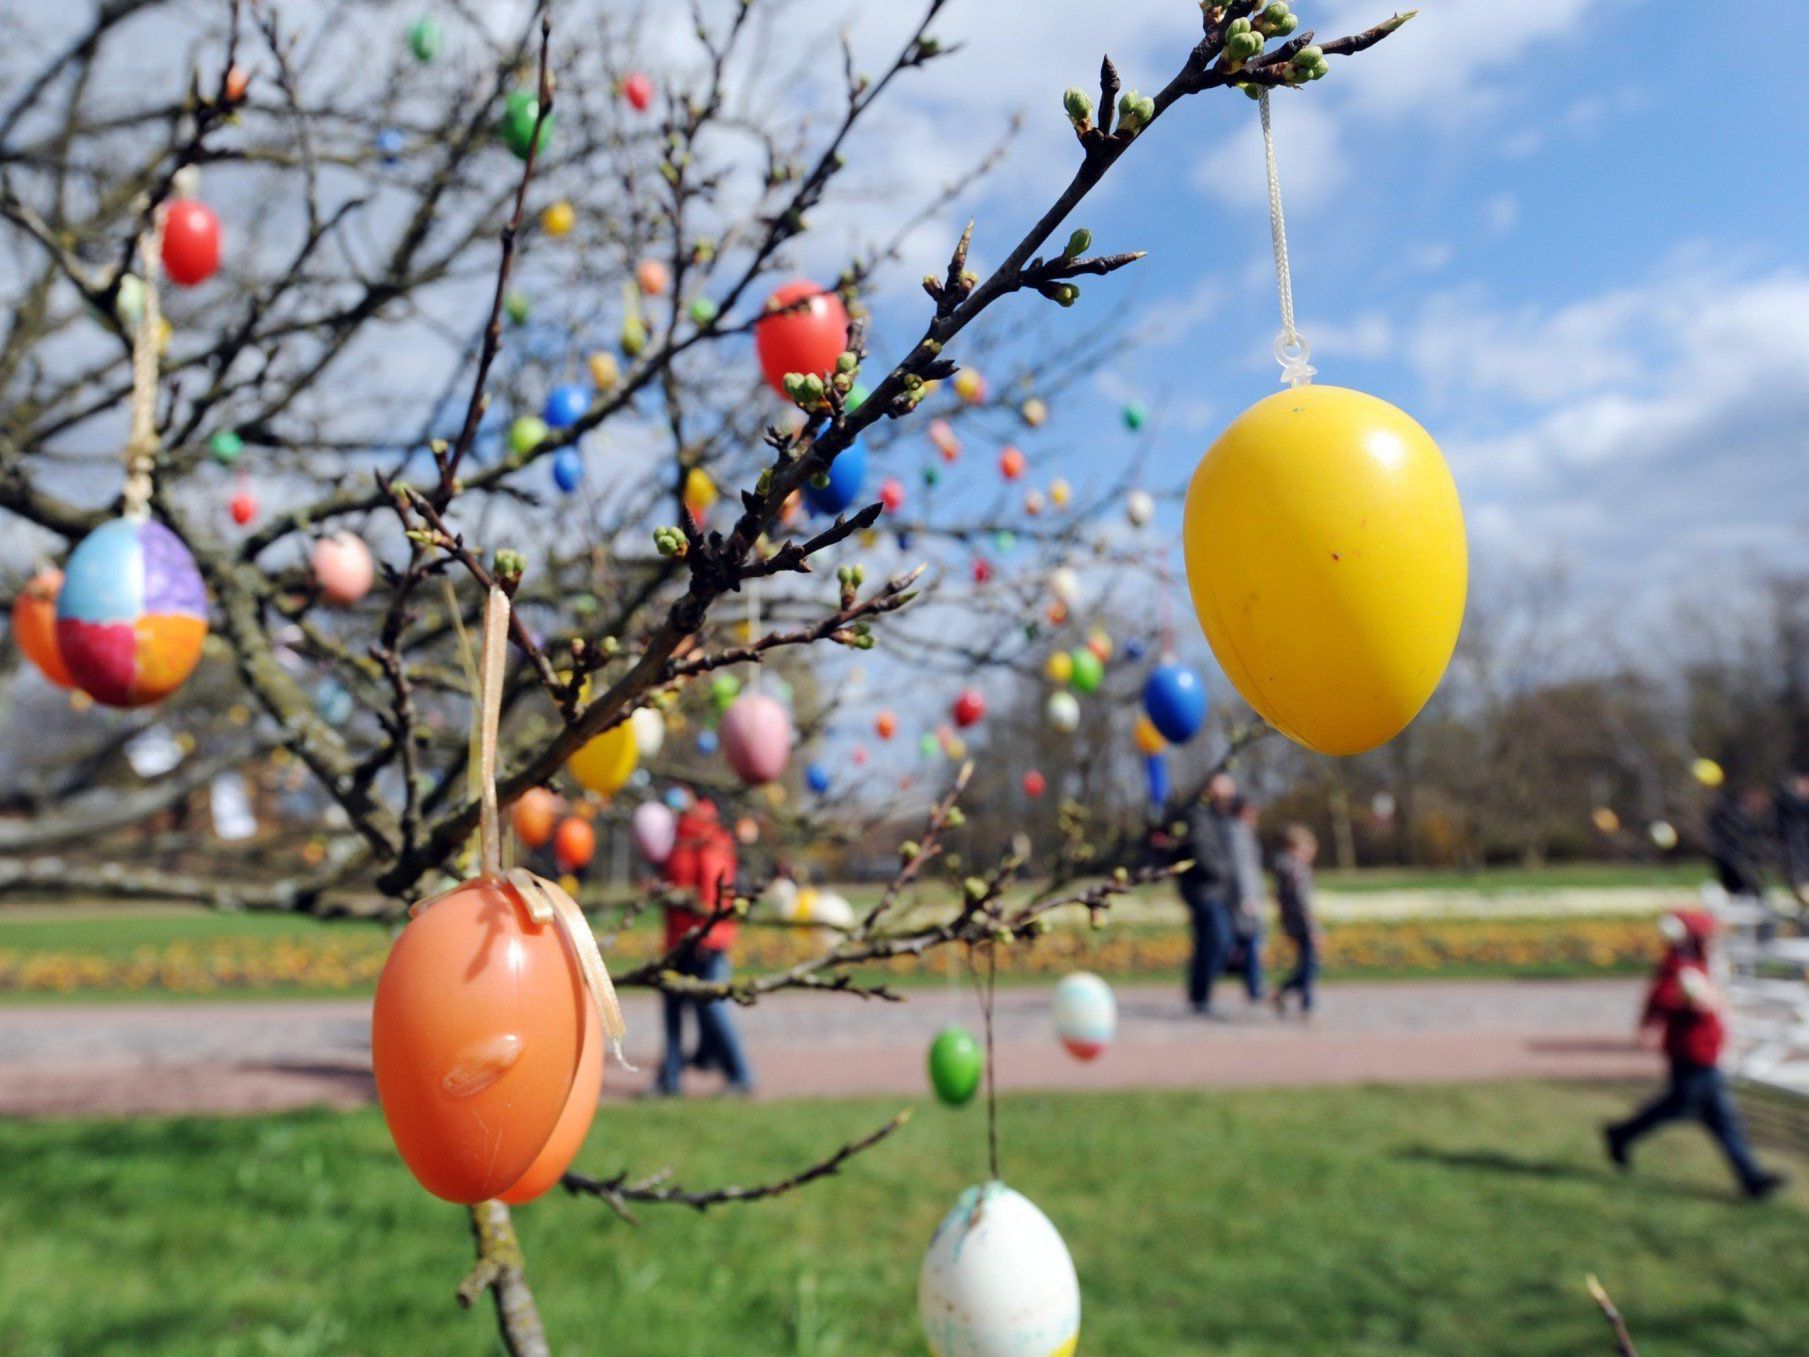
(1356,1222)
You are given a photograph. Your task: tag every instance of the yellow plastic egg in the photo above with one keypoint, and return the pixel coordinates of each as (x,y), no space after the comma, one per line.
(700,490)
(558,218)
(1327,561)
(1059,667)
(605,764)
(1147,738)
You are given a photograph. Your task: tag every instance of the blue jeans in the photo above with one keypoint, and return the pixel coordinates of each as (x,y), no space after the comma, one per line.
(1699,1093)
(1249,957)
(1306,969)
(1212,939)
(716,1029)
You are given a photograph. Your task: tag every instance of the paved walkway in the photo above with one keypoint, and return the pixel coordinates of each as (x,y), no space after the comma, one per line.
(241,1057)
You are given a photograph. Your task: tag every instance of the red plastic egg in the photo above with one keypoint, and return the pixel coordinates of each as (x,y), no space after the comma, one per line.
(476,1033)
(244,507)
(35,626)
(892,494)
(969,707)
(982,570)
(1011,463)
(343,566)
(805,338)
(574,844)
(191,242)
(1035,784)
(885,725)
(637,89)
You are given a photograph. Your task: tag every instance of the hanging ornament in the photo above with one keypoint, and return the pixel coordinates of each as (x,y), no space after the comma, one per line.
(1325,550)
(649,731)
(1139,508)
(479,1028)
(1134,649)
(604,370)
(891,494)
(558,218)
(1099,641)
(526,434)
(191,242)
(725,688)
(928,746)
(700,492)
(652,277)
(517,306)
(1063,711)
(997,1281)
(1146,737)
(707,742)
(1089,673)
(1086,1014)
(132,613)
(1174,695)
(1034,412)
(1663,836)
(35,626)
(816,777)
(1035,784)
(605,763)
(1064,583)
(568,469)
(424,40)
(573,1126)
(1708,772)
(243,506)
(655,830)
(521,113)
(756,738)
(970,386)
(942,437)
(1060,492)
(1059,667)
(858,756)
(842,482)
(534,815)
(637,89)
(1605,820)
(982,570)
(1155,772)
(955,1066)
(1033,502)
(389,144)
(574,844)
(1004,540)
(566,404)
(343,568)
(885,725)
(804,330)
(1134,415)
(1011,462)
(969,707)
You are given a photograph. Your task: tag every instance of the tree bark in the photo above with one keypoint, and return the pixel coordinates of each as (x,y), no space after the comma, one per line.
(500,1270)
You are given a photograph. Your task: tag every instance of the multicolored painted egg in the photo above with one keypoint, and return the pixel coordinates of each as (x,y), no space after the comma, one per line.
(1086,1014)
(956,1065)
(132,613)
(343,568)
(604,764)
(655,830)
(756,738)
(997,1281)
(476,1036)
(1327,561)
(35,626)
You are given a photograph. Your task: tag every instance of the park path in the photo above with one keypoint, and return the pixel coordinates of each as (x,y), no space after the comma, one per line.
(125,1059)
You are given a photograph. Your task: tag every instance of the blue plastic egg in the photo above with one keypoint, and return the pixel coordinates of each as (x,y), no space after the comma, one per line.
(846,475)
(1175,698)
(568,469)
(565,405)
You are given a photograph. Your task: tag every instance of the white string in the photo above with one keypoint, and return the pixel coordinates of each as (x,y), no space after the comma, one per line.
(1291,349)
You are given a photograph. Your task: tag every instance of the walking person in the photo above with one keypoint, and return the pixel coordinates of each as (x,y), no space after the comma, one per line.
(1249,897)
(1791,809)
(1208,886)
(1686,1005)
(1294,896)
(701,871)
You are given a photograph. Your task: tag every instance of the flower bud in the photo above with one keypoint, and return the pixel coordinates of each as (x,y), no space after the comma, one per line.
(1079,107)
(1078,243)
(1067,294)
(1306,57)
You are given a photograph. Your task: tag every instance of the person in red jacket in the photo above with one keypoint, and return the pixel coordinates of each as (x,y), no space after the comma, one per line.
(1686,1006)
(700,872)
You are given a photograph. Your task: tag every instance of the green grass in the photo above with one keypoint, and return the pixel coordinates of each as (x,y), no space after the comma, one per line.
(1684,872)
(1257,1223)
(121,932)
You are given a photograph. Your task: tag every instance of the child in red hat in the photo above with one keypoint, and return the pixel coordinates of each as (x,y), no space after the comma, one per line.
(1686,1004)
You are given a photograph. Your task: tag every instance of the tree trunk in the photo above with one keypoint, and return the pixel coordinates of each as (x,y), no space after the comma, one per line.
(501,1270)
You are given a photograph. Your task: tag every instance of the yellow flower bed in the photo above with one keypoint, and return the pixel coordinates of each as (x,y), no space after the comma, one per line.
(347,960)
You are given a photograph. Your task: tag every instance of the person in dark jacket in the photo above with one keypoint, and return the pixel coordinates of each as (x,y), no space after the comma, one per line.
(1249,896)
(1209,887)
(1737,842)
(1294,897)
(1791,808)
(1686,1006)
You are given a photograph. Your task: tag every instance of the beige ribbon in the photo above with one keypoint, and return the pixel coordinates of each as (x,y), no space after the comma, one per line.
(141,440)
(546,902)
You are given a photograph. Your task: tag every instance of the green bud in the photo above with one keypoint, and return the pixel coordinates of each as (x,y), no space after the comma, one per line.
(1307,57)
(1321,68)
(703,311)
(814,390)
(1078,243)
(1067,294)
(517,307)
(1277,12)
(847,362)
(1252,91)
(510,564)
(1244,46)
(634,335)
(1238,26)
(1282,27)
(820,481)
(1079,107)
(955,818)
(793,384)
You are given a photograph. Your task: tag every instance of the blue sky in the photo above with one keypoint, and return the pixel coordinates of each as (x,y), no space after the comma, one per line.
(1569,240)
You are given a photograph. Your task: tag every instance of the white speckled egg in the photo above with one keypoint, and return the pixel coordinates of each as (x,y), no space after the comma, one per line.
(998,1282)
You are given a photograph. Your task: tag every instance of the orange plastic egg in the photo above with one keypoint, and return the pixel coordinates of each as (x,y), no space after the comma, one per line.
(476,1033)
(534,816)
(574,1122)
(35,626)
(574,844)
